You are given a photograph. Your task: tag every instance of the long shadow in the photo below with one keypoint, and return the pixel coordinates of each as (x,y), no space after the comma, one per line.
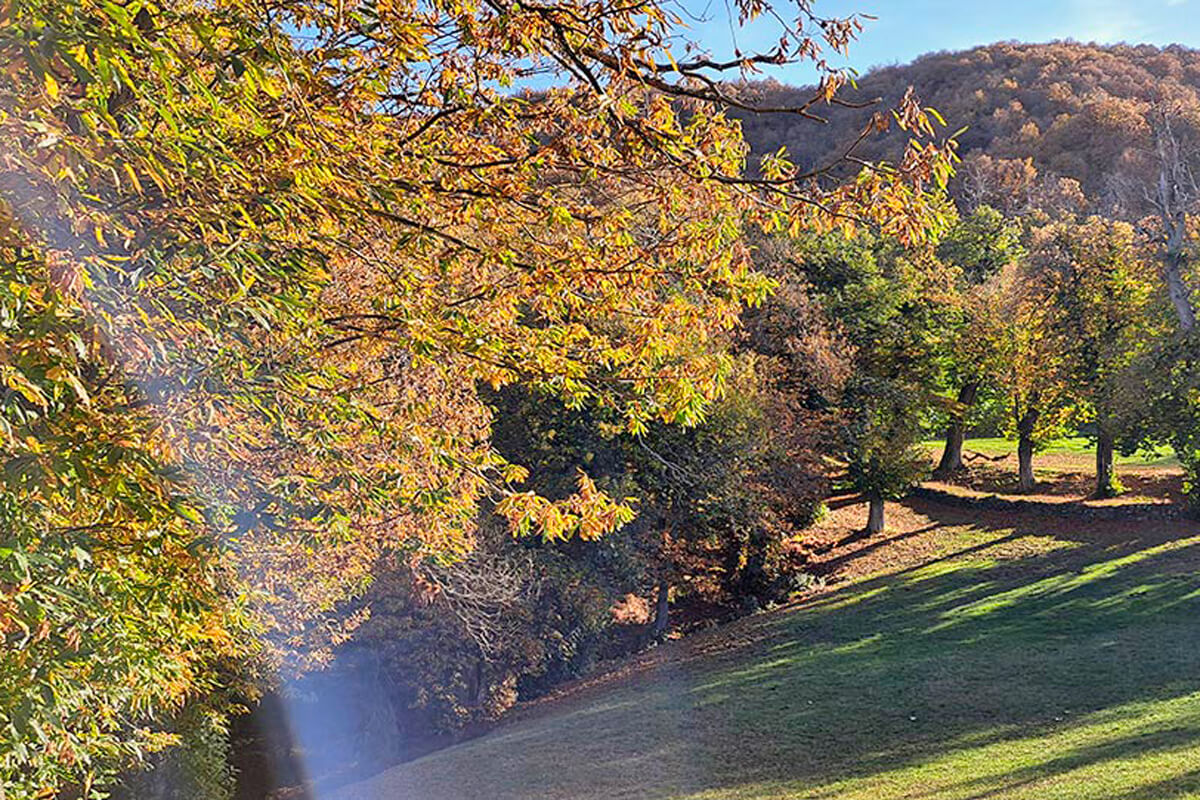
(961,651)
(836,564)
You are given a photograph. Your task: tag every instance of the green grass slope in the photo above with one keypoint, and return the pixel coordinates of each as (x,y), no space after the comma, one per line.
(958,657)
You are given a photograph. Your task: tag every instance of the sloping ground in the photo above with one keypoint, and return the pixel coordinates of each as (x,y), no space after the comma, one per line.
(1066,473)
(965,654)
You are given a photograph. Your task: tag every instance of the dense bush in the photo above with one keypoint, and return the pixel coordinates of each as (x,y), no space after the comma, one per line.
(198,768)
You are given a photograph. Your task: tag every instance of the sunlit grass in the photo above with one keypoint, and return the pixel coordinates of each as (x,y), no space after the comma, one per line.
(1016,661)
(1136,750)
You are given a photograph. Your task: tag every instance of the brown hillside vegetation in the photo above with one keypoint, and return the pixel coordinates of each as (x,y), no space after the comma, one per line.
(1075,109)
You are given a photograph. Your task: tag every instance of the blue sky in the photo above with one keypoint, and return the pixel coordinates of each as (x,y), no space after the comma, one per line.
(907,28)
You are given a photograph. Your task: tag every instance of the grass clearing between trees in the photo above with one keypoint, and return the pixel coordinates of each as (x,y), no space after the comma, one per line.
(1074,453)
(961,654)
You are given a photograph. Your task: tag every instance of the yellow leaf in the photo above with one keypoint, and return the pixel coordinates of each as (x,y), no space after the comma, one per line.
(19,383)
(133,178)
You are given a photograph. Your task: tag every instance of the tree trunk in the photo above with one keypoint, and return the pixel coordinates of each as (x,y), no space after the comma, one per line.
(956,433)
(1105,477)
(1025,428)
(1172,199)
(1025,464)
(662,611)
(875,516)
(1177,288)
(479,691)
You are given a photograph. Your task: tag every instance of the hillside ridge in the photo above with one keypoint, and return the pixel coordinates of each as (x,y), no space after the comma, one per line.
(1072,108)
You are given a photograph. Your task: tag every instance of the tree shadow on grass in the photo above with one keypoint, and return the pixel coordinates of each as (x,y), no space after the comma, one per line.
(982,671)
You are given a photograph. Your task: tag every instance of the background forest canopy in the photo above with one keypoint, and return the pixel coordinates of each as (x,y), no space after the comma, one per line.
(330,352)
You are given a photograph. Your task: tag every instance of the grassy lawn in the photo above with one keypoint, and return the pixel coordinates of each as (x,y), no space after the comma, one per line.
(962,656)
(1072,453)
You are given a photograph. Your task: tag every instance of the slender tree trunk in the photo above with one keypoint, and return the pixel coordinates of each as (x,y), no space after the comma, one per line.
(1105,483)
(956,433)
(662,611)
(875,515)
(480,680)
(1177,289)
(1025,428)
(1172,199)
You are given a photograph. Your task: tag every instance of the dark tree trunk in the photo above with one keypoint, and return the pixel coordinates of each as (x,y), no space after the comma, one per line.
(956,433)
(1106,485)
(875,516)
(1025,428)
(479,691)
(1025,476)
(662,611)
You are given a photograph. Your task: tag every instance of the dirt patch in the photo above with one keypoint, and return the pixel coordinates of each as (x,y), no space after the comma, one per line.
(1126,507)
(1061,480)
(918,532)
(929,528)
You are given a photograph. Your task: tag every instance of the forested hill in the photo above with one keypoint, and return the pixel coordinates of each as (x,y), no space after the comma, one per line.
(1070,107)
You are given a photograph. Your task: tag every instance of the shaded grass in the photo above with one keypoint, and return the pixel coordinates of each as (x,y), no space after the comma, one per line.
(997,658)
